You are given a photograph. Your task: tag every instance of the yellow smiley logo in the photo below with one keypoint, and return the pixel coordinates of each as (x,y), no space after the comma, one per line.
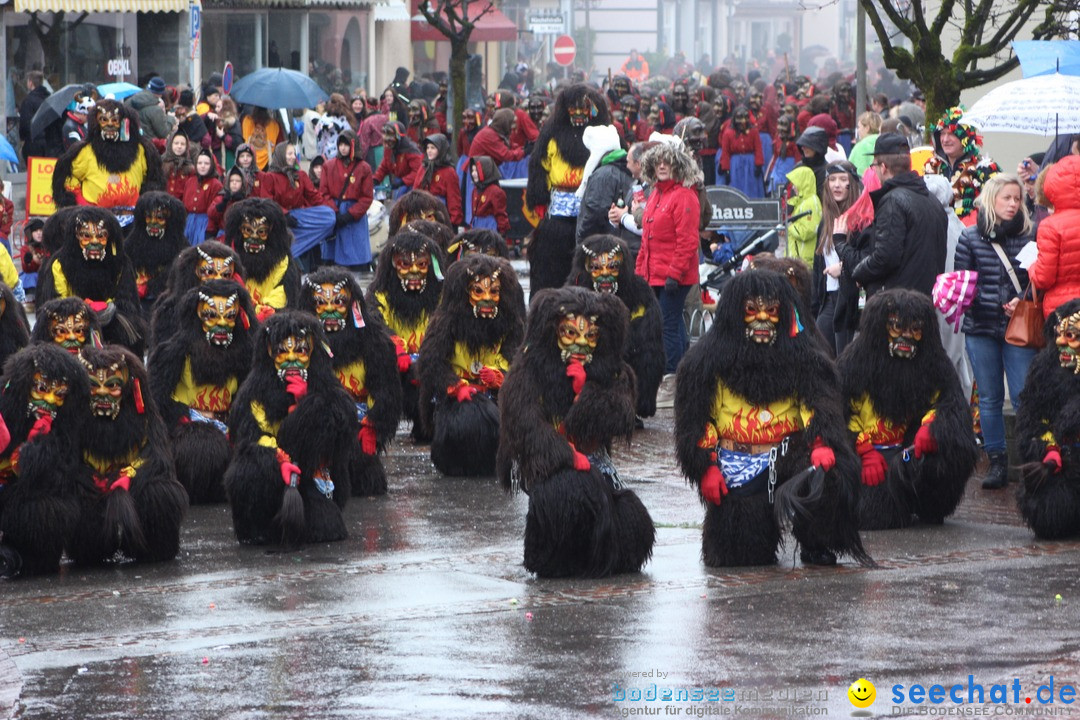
(862,693)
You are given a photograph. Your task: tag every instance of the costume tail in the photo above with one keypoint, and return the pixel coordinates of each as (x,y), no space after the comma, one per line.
(290,518)
(122,519)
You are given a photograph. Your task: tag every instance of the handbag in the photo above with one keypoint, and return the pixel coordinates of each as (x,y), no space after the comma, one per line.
(1026,324)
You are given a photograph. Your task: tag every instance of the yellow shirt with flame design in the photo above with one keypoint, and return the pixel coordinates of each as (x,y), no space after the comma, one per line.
(412,335)
(876,430)
(270,292)
(207,399)
(353,377)
(734,418)
(101,187)
(467,365)
(560,173)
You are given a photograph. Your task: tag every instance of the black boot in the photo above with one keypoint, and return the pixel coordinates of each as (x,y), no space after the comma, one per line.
(997,476)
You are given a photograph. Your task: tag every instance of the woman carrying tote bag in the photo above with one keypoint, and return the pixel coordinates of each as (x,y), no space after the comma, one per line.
(990,247)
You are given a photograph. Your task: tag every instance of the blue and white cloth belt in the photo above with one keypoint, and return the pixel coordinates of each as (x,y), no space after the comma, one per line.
(564,204)
(124,215)
(323,482)
(361,411)
(739,468)
(601,462)
(196,416)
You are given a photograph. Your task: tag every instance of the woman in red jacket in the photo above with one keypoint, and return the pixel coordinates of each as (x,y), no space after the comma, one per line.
(668,259)
(347,185)
(439,178)
(741,159)
(401,159)
(177,166)
(200,192)
(494,140)
(307,212)
(1056,271)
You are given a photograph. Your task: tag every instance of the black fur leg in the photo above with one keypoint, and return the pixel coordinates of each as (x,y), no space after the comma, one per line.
(323,521)
(366,473)
(161,505)
(569,529)
(741,531)
(1052,509)
(36,526)
(634,531)
(466,437)
(886,506)
(254,488)
(202,456)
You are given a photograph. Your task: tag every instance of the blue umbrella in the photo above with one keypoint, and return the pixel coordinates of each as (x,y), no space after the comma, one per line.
(6,151)
(278,88)
(1045,57)
(118,90)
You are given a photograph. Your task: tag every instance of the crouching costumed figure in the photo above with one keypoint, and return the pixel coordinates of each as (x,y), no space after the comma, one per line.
(743,433)
(42,405)
(130,504)
(911,422)
(470,342)
(568,395)
(365,361)
(196,375)
(1048,430)
(293,425)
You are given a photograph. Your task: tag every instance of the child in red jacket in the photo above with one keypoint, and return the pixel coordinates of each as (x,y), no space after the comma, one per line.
(200,192)
(438,177)
(489,200)
(236,189)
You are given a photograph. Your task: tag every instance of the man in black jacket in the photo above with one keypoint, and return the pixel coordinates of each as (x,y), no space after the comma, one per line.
(35,147)
(910,229)
(606,184)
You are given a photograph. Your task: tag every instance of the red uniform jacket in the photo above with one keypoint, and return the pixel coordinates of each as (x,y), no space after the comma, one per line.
(490,143)
(403,166)
(642,130)
(464,142)
(276,186)
(444,185)
(492,201)
(733,143)
(216,217)
(766,120)
(199,195)
(348,182)
(526,131)
(175,184)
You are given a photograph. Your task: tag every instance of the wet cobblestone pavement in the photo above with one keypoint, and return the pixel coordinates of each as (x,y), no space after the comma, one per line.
(425,611)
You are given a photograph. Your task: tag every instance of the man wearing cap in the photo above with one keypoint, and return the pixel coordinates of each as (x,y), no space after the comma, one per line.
(151,110)
(910,230)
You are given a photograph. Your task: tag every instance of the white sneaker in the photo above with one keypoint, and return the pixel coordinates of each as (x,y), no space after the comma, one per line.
(665,395)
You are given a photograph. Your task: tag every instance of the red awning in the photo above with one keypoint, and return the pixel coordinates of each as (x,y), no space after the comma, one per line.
(492,26)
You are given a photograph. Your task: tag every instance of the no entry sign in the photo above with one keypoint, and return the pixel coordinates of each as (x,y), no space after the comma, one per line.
(564,50)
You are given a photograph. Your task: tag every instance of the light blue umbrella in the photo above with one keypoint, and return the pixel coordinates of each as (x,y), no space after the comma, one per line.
(118,90)
(1045,57)
(6,151)
(278,88)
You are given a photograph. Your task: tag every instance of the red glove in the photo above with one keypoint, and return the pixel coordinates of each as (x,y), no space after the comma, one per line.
(576,372)
(288,467)
(491,378)
(541,211)
(463,392)
(924,442)
(42,426)
(142,289)
(1053,457)
(404,361)
(874,467)
(96,305)
(296,386)
(581,463)
(713,486)
(5,435)
(123,482)
(366,436)
(263,312)
(822,456)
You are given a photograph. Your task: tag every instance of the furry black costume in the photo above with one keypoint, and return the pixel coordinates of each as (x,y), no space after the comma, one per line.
(129,499)
(405,292)
(196,374)
(111,167)
(555,171)
(293,425)
(601,263)
(154,242)
(14,327)
(195,266)
(469,345)
(418,205)
(68,323)
(759,397)
(91,264)
(1048,430)
(568,395)
(42,405)
(476,242)
(900,389)
(255,228)
(365,362)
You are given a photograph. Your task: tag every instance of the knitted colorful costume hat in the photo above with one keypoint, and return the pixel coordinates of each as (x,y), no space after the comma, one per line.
(953,122)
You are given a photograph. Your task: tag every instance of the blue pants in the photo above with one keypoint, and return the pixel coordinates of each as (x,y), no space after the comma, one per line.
(994,361)
(671,309)
(195,227)
(314,224)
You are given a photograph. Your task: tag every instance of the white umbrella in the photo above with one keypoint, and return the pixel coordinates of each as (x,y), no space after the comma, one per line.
(1042,105)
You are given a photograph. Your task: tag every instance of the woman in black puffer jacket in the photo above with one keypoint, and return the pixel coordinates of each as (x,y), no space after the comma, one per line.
(1003,222)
